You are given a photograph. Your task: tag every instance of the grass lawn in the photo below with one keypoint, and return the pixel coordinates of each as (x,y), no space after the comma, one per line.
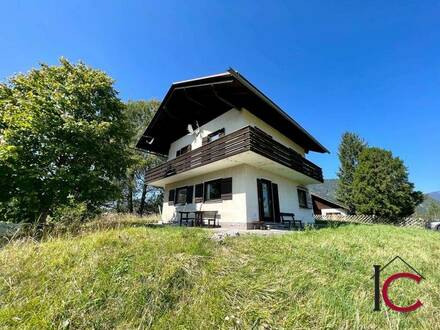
(173,278)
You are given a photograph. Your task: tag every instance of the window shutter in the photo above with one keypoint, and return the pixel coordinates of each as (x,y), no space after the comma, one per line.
(189,194)
(199,193)
(226,188)
(276,202)
(309,200)
(171,196)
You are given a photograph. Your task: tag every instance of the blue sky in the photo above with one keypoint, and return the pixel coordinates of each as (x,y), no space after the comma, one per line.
(371,67)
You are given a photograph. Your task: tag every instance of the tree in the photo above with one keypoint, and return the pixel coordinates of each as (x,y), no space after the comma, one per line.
(64,138)
(433,211)
(381,186)
(349,150)
(135,188)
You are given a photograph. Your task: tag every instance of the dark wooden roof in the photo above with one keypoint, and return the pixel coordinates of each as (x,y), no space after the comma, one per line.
(328,202)
(206,98)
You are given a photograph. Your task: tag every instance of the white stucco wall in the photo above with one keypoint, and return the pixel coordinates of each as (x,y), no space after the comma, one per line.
(325,212)
(231,121)
(243,207)
(287,193)
(231,211)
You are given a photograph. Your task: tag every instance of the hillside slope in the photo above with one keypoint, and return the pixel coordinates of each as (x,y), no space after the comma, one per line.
(325,189)
(168,278)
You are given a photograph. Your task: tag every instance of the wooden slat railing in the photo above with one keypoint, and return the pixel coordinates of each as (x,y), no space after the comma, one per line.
(246,139)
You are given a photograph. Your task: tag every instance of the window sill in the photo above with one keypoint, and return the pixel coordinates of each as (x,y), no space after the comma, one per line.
(213,201)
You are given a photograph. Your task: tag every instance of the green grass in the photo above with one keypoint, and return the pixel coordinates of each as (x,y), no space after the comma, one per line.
(172,278)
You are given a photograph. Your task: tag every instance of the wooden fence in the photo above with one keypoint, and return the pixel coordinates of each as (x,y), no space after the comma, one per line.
(371,219)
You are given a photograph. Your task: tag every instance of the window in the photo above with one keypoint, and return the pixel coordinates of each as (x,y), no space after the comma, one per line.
(213,136)
(181,195)
(184,195)
(216,135)
(183,150)
(302,198)
(220,189)
(213,190)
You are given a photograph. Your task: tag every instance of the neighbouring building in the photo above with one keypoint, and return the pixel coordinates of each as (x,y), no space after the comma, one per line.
(229,148)
(327,207)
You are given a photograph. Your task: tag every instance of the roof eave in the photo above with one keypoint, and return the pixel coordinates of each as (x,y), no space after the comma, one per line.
(260,94)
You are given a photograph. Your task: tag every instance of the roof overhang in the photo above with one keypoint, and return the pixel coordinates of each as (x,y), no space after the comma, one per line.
(203,99)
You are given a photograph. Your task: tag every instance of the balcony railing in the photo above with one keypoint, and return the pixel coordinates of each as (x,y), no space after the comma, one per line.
(248,138)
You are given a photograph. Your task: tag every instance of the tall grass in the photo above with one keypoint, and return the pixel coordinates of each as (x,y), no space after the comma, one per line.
(170,278)
(40,232)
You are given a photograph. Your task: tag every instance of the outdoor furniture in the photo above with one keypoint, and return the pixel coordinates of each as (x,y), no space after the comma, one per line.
(185,217)
(199,218)
(259,225)
(289,220)
(209,216)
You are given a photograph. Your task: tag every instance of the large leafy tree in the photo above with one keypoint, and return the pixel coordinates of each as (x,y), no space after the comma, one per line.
(381,186)
(136,191)
(63,139)
(349,150)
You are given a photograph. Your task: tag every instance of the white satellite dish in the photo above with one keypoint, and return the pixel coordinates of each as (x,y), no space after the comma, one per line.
(191,130)
(151,141)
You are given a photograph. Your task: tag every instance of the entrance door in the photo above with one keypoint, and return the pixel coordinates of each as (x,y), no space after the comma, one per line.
(265,202)
(268,202)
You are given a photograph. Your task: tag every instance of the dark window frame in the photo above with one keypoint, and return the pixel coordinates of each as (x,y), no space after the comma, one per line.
(220,133)
(205,190)
(199,193)
(171,196)
(300,202)
(176,202)
(183,150)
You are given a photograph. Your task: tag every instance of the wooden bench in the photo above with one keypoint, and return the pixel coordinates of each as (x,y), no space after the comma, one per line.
(289,220)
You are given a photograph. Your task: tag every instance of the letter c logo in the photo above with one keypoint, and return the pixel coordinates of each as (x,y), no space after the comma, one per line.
(387,300)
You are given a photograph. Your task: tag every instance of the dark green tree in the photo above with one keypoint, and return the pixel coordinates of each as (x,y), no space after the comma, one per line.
(381,186)
(136,191)
(63,140)
(349,150)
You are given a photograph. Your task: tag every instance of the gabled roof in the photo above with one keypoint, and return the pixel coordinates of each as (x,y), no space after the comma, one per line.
(206,98)
(329,201)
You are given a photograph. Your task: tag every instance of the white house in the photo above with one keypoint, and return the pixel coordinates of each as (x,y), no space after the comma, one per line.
(230,149)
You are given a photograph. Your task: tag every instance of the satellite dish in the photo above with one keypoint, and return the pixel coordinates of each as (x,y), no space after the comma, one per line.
(191,130)
(151,141)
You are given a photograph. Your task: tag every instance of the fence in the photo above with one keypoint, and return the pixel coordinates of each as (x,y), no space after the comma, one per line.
(371,219)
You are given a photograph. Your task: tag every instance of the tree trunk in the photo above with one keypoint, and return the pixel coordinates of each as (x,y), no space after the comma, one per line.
(43,216)
(143,196)
(130,199)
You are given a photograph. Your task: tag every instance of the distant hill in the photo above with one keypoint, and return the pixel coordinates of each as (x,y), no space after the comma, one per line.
(435,195)
(328,189)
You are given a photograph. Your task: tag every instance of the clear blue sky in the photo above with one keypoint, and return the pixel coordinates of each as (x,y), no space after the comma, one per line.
(371,67)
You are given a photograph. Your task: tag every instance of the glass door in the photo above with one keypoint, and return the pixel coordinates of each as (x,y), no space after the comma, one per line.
(265,200)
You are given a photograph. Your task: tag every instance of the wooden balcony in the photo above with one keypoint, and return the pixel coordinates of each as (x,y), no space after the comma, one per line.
(248,138)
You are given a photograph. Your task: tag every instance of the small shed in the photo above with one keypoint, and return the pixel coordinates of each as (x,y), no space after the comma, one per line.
(327,207)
